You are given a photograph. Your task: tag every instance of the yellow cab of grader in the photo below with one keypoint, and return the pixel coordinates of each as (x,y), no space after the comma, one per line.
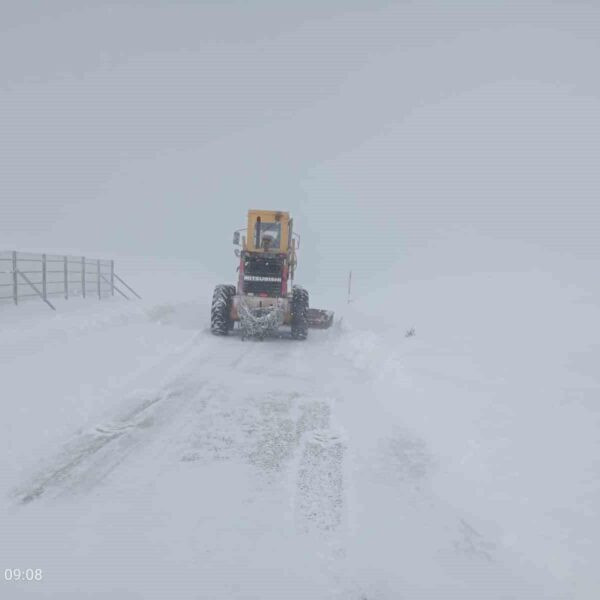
(262,301)
(268,228)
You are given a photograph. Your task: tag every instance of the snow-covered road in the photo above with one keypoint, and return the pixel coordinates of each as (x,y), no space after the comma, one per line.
(231,479)
(218,468)
(217,474)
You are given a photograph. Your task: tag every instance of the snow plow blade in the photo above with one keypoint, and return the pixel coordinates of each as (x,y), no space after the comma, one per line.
(319,318)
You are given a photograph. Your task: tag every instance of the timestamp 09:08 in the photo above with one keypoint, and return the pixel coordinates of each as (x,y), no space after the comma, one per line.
(23,574)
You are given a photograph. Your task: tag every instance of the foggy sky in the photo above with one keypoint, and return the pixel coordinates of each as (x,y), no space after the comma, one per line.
(149,128)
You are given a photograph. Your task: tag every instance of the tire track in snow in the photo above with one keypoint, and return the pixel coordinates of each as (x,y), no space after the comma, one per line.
(285,437)
(318,487)
(320,493)
(88,459)
(320,490)
(261,432)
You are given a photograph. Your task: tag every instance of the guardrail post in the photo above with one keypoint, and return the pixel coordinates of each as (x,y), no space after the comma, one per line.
(112,277)
(66,276)
(83,276)
(34,288)
(98,278)
(15,281)
(128,287)
(44,290)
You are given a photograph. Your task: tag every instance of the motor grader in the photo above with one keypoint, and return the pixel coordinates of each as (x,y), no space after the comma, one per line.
(265,297)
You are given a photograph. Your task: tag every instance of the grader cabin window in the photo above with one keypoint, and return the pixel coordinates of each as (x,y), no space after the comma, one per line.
(267,235)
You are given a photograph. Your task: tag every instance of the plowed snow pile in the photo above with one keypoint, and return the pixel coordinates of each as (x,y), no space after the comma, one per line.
(144,458)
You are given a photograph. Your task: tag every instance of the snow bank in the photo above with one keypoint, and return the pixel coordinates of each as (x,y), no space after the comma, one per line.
(499,384)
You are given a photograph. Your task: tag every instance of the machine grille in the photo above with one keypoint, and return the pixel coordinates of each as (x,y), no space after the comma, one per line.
(263,275)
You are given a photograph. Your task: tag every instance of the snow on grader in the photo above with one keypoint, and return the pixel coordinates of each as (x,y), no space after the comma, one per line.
(265,297)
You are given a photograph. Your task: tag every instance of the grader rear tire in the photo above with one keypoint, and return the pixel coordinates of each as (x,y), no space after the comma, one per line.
(299,310)
(220,312)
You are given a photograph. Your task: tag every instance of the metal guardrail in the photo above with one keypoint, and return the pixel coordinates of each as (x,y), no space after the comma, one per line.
(25,275)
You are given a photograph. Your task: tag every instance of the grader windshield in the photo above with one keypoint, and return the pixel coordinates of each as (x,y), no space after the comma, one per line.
(268,235)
